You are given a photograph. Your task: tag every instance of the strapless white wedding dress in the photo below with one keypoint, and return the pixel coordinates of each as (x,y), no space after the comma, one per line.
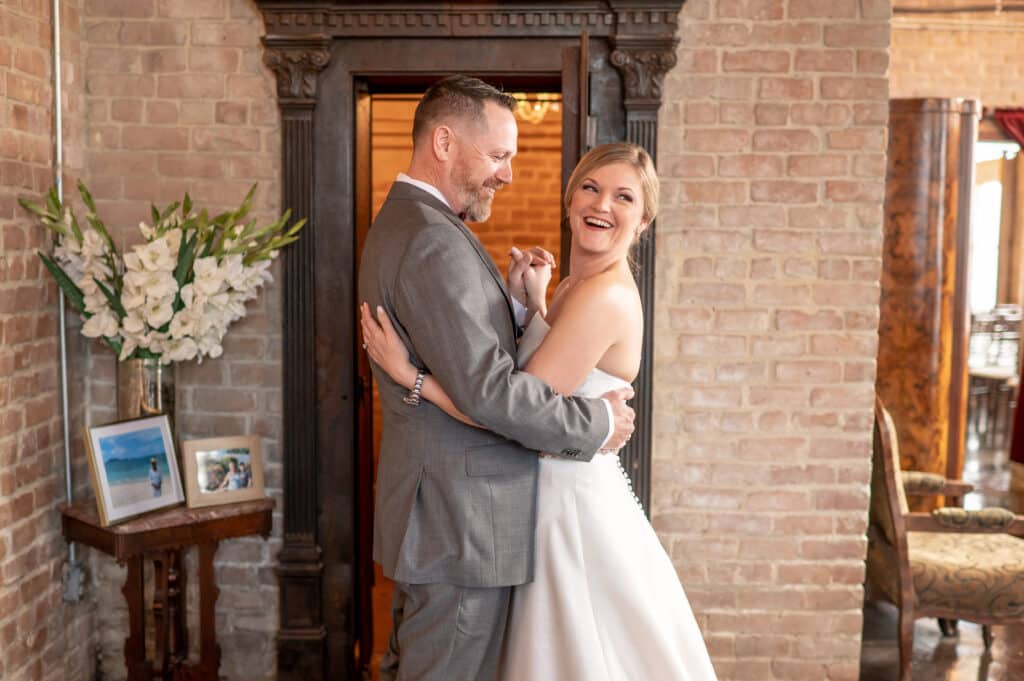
(605,603)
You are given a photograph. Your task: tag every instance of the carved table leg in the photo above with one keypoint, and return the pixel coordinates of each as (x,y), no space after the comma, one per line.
(160,566)
(177,596)
(135,644)
(209,651)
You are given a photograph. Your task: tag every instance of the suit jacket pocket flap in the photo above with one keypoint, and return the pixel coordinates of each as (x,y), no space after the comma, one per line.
(500,459)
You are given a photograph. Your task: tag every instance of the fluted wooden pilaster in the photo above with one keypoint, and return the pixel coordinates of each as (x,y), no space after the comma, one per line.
(296,63)
(643,63)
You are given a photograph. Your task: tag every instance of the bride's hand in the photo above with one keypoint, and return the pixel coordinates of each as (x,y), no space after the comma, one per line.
(384,346)
(529,274)
(536,280)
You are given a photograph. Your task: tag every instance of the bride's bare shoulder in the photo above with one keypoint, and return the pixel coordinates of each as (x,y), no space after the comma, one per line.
(611,290)
(600,298)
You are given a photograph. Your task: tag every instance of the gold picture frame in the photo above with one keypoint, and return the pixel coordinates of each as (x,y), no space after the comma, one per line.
(222,470)
(133,467)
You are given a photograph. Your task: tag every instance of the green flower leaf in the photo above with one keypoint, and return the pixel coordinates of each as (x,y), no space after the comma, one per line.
(112,298)
(71,291)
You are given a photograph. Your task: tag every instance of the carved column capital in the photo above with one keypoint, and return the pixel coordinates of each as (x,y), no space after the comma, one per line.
(643,65)
(296,62)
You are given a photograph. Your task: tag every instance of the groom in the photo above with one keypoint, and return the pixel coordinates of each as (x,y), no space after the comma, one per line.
(456,505)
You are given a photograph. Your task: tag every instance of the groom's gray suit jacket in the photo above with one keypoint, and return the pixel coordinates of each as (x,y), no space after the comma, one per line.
(457,504)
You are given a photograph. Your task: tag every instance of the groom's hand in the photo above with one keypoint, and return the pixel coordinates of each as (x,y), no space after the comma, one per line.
(523,267)
(623,416)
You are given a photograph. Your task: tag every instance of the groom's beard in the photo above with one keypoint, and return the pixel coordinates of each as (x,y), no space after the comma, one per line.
(476,200)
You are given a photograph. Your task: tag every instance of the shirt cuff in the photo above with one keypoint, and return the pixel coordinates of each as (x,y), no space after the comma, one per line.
(520,311)
(611,423)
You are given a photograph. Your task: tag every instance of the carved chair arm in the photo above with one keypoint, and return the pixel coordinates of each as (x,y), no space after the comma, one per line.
(952,519)
(932,484)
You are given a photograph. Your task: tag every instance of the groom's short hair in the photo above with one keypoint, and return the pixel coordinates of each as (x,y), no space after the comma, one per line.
(456,97)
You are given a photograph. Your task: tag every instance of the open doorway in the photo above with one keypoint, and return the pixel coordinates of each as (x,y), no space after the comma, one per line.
(330,59)
(525,213)
(995,295)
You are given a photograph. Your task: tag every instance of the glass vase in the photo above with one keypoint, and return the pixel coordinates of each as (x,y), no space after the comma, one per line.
(145,388)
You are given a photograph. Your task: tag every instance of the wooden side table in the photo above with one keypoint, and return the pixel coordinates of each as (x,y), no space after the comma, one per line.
(161,537)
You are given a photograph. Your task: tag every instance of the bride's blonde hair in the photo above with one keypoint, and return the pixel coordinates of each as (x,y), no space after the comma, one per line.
(618,152)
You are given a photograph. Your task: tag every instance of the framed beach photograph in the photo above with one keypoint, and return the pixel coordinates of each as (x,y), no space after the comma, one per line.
(133,467)
(222,470)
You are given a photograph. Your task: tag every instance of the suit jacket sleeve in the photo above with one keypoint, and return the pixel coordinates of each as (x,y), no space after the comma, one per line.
(446,314)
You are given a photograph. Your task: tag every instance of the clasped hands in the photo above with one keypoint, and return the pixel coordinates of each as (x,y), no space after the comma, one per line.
(529,273)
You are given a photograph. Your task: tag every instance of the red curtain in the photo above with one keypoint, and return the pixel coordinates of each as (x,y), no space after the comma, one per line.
(1012,123)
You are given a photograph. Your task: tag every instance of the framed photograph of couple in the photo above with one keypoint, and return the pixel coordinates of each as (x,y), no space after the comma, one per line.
(133,466)
(222,470)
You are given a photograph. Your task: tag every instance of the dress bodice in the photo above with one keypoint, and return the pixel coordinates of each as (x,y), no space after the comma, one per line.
(596,383)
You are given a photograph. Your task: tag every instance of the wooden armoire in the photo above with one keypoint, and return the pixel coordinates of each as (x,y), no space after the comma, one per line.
(924,316)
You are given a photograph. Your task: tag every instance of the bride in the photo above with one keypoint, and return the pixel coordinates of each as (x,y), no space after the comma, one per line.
(605,603)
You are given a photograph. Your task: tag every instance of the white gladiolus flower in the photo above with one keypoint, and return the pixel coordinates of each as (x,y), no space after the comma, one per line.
(100,270)
(147,232)
(181,350)
(127,348)
(132,298)
(100,324)
(133,325)
(157,255)
(88,285)
(209,276)
(210,345)
(187,295)
(183,324)
(158,314)
(132,262)
(156,285)
(174,242)
(95,304)
(93,245)
(234,270)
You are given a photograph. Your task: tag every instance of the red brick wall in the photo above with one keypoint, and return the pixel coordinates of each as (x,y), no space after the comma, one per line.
(772,157)
(959,56)
(41,637)
(179,100)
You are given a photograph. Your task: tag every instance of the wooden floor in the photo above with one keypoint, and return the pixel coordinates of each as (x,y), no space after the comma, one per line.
(961,658)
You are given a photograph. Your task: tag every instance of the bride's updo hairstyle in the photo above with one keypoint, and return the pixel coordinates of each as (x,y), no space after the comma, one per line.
(618,152)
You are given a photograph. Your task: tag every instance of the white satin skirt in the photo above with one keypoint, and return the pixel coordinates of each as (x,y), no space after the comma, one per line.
(605,603)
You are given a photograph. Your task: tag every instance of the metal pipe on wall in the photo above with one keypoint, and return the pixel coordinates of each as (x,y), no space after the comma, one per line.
(72,578)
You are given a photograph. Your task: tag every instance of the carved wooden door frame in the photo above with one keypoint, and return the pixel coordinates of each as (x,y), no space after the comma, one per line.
(318,52)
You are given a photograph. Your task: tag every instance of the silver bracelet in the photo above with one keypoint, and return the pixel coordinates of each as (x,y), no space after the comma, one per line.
(413,398)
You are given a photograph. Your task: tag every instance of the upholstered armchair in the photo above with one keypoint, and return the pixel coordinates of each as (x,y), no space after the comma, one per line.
(951,563)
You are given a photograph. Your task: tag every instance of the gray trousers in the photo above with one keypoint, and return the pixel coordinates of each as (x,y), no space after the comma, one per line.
(442,632)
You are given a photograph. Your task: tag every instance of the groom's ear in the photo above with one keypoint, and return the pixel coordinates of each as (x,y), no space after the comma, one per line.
(442,140)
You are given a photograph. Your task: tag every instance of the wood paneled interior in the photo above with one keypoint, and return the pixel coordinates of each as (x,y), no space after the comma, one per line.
(923,316)
(525,213)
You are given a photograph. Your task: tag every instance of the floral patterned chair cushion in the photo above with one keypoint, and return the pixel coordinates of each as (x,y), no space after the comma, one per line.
(980,574)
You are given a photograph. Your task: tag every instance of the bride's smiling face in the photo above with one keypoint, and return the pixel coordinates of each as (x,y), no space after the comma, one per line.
(606,210)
